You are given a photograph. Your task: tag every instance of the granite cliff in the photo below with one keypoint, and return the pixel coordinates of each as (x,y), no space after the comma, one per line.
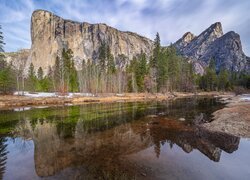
(225,49)
(17,59)
(51,33)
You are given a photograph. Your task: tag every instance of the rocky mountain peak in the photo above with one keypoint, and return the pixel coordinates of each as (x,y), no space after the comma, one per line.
(215,29)
(226,49)
(184,40)
(51,33)
(188,37)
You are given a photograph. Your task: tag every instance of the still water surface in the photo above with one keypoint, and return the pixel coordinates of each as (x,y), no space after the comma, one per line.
(151,140)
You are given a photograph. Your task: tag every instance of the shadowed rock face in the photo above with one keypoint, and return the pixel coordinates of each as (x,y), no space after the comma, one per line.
(226,49)
(50,34)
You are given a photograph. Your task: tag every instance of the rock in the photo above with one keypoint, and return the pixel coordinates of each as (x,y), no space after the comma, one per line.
(226,49)
(18,59)
(51,33)
(184,41)
(181,119)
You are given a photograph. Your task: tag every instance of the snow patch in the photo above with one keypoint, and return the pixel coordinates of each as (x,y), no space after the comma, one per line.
(22,109)
(245,97)
(47,94)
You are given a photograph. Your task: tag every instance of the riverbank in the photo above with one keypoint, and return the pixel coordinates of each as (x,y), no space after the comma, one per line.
(15,101)
(234,119)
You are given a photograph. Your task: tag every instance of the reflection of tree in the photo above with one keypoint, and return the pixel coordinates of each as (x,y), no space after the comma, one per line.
(157,149)
(3,156)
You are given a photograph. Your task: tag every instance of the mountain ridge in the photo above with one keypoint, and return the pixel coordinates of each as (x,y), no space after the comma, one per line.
(51,33)
(212,43)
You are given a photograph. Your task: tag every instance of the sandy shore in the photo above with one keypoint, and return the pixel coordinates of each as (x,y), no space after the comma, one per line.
(234,118)
(12,101)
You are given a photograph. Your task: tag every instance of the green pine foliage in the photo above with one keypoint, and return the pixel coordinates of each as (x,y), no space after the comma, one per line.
(7,73)
(31,81)
(163,71)
(7,78)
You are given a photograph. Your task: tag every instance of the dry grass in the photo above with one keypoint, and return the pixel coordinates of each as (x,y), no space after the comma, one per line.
(10,101)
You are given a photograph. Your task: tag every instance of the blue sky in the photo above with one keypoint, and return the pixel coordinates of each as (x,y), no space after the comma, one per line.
(171,18)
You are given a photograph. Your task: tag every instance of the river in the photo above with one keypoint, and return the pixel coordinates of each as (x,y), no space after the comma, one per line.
(140,140)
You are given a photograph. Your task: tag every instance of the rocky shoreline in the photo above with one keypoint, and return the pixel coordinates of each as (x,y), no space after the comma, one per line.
(234,119)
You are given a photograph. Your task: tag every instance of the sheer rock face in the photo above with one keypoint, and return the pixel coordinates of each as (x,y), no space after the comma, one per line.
(18,59)
(184,41)
(226,49)
(50,34)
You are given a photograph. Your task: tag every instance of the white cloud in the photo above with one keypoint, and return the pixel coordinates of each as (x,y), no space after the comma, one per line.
(171,18)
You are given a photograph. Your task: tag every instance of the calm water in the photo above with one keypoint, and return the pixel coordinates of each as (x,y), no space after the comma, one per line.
(153,140)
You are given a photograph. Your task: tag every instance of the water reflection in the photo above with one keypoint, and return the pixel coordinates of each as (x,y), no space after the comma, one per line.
(97,138)
(3,156)
(191,137)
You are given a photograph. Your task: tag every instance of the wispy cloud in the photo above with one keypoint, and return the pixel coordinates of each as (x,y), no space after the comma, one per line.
(171,18)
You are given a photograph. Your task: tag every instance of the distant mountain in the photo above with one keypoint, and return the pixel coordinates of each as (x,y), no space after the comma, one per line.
(225,49)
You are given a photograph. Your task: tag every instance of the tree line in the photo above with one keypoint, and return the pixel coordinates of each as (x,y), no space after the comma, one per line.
(163,71)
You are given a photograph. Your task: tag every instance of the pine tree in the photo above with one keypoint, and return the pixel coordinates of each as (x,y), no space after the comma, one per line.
(173,68)
(102,57)
(141,71)
(111,70)
(223,80)
(40,73)
(211,77)
(162,71)
(110,62)
(7,79)
(154,60)
(57,74)
(73,81)
(7,74)
(156,51)
(50,79)
(32,80)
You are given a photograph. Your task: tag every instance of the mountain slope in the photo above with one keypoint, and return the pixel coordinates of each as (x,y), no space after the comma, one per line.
(226,49)
(50,34)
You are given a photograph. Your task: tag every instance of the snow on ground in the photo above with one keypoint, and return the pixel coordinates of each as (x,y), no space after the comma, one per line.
(245,97)
(47,94)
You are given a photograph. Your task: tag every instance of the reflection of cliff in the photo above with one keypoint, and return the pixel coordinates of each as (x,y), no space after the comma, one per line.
(98,137)
(54,152)
(106,150)
(3,156)
(192,137)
